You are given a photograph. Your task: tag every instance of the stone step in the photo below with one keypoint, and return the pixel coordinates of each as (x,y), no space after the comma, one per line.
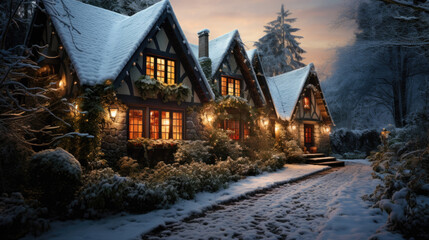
(311,155)
(331,163)
(320,159)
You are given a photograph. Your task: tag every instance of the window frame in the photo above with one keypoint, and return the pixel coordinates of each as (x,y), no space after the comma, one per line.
(234,87)
(143,122)
(155,70)
(171,122)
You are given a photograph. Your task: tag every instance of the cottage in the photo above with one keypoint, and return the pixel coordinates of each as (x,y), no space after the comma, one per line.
(229,69)
(298,99)
(146,57)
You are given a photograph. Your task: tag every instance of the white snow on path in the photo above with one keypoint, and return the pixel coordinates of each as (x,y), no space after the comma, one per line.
(328,206)
(129,226)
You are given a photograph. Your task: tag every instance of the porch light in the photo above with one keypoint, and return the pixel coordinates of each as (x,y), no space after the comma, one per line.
(113,110)
(277,127)
(327,129)
(292,127)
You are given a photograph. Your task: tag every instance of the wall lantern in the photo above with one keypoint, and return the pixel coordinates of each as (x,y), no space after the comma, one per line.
(327,129)
(113,111)
(277,127)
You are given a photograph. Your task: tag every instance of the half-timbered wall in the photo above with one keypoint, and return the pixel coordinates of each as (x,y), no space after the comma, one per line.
(158,46)
(230,68)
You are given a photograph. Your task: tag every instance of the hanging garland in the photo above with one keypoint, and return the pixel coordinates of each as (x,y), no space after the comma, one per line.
(152,88)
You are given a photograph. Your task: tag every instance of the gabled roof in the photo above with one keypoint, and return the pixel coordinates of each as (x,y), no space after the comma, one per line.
(100,42)
(257,66)
(286,89)
(220,47)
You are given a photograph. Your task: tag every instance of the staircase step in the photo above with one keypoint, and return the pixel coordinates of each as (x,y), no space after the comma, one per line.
(311,155)
(331,163)
(320,159)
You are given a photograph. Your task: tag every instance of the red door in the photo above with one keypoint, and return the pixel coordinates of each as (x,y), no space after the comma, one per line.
(308,136)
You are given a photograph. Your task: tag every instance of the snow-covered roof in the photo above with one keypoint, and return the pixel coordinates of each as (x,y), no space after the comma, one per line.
(218,49)
(251,54)
(286,88)
(100,42)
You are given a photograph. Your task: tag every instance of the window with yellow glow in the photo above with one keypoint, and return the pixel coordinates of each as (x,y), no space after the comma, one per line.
(230,86)
(170,72)
(177,125)
(161,69)
(246,130)
(166,125)
(154,124)
(135,126)
(306,103)
(150,66)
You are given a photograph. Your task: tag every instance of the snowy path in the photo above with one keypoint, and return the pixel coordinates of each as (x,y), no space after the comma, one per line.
(325,206)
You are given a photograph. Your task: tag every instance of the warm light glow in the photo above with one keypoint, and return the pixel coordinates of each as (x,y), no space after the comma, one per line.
(209,118)
(166,122)
(277,127)
(113,110)
(327,129)
(292,127)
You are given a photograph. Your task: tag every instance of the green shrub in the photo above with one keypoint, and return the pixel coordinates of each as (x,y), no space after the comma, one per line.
(19,217)
(56,174)
(127,166)
(222,146)
(194,151)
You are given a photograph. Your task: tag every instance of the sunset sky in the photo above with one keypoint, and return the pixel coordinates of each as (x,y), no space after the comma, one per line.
(317,19)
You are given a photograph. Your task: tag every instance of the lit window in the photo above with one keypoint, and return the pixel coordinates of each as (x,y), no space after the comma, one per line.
(246,130)
(166,121)
(165,127)
(154,124)
(234,127)
(135,127)
(230,86)
(160,69)
(224,86)
(306,103)
(170,73)
(164,70)
(237,88)
(150,66)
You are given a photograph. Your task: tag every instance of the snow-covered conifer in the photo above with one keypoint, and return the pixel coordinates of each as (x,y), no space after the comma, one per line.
(279,47)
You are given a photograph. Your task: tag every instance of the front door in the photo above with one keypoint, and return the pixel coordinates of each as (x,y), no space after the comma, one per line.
(308,136)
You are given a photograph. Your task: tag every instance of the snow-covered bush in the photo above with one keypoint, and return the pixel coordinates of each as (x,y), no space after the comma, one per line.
(403,166)
(127,166)
(19,217)
(194,151)
(348,141)
(222,146)
(56,174)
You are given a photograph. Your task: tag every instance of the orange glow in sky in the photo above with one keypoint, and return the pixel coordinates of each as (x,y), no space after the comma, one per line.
(317,19)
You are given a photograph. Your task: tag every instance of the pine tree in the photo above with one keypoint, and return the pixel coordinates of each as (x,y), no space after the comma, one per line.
(279,47)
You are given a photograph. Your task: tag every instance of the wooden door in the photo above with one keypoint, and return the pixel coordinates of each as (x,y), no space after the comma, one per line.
(308,136)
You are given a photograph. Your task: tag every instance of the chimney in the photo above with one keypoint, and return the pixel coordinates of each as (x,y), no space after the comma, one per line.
(203,43)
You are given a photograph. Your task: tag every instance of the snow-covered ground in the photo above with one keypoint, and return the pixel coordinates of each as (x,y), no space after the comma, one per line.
(328,206)
(127,226)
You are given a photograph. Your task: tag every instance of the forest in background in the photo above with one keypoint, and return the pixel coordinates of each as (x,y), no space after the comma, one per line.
(382,78)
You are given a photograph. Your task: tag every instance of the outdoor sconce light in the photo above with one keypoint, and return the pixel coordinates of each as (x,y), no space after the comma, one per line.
(209,118)
(292,127)
(113,110)
(327,129)
(277,127)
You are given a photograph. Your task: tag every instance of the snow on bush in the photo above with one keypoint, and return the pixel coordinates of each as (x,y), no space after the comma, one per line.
(354,143)
(19,217)
(194,151)
(56,174)
(127,166)
(107,192)
(403,166)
